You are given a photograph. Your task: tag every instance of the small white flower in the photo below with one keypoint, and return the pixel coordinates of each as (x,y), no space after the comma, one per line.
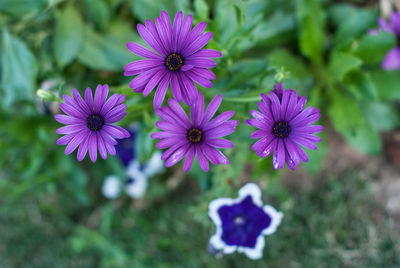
(155,164)
(242,222)
(137,181)
(111,187)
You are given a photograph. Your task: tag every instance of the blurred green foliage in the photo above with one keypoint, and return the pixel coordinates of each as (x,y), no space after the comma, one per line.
(51,207)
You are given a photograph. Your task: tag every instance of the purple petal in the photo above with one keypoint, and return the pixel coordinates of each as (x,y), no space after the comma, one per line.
(290,161)
(177,156)
(65,139)
(279,155)
(142,51)
(116,131)
(120,100)
(202,159)
(259,124)
(187,83)
(200,62)
(143,65)
(218,120)
(115,118)
(168,142)
(275,106)
(205,73)
(212,108)
(173,148)
(76,140)
(143,78)
(175,88)
(153,82)
(262,117)
(291,105)
(161,91)
(170,116)
(195,33)
(392,59)
(101,146)
(72,103)
(107,138)
(189,158)
(308,129)
(268,147)
(395,21)
(197,111)
(163,134)
(185,30)
(199,79)
(70,110)
(170,127)
(220,156)
(116,111)
(93,147)
(163,34)
(384,25)
(89,98)
(148,37)
(176,29)
(207,53)
(197,44)
(109,104)
(220,143)
(292,151)
(209,154)
(68,120)
(100,97)
(304,142)
(259,133)
(186,67)
(71,129)
(83,148)
(285,102)
(178,110)
(82,104)
(222,130)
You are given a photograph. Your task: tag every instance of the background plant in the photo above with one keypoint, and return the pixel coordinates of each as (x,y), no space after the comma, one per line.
(51,205)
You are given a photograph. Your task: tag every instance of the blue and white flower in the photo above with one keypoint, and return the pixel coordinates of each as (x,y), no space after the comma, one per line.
(242,222)
(111,188)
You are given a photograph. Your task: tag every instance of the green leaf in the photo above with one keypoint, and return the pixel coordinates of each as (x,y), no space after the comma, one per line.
(316,157)
(360,85)
(107,52)
(311,18)
(19,70)
(351,21)
(382,116)
(98,12)
(22,7)
(201,8)
(292,64)
(373,48)
(150,9)
(348,120)
(68,35)
(386,84)
(341,63)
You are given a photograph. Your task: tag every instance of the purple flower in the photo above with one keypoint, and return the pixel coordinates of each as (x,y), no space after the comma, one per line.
(89,124)
(392,58)
(125,148)
(178,58)
(283,127)
(242,222)
(198,136)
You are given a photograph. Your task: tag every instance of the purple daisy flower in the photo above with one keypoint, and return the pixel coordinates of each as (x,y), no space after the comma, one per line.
(243,222)
(198,136)
(178,58)
(89,124)
(283,127)
(392,58)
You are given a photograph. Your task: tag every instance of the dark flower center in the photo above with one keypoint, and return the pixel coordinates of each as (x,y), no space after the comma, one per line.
(130,180)
(239,220)
(95,122)
(194,135)
(174,62)
(281,129)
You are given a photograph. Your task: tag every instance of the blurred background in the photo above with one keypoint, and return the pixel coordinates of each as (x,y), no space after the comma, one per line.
(342,208)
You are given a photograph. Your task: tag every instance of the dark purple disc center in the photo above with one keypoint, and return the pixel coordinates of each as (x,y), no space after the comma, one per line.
(194,135)
(281,129)
(174,62)
(95,122)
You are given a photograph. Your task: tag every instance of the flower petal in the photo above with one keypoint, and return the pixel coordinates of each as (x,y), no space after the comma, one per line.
(392,59)
(161,91)
(100,97)
(142,51)
(212,108)
(202,159)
